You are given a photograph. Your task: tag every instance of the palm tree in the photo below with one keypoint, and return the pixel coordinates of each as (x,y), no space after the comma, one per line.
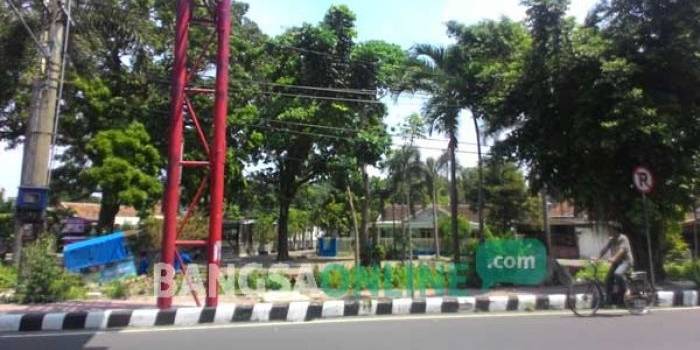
(404,171)
(431,172)
(436,71)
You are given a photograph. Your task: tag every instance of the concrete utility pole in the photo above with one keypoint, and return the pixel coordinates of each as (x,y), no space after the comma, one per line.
(40,128)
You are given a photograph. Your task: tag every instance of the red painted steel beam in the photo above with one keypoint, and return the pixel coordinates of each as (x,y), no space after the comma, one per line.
(198,90)
(195,163)
(191,243)
(218,149)
(198,126)
(171,198)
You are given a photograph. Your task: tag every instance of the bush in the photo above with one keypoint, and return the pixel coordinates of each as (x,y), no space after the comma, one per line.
(115,290)
(151,232)
(683,271)
(43,280)
(677,248)
(587,273)
(8,277)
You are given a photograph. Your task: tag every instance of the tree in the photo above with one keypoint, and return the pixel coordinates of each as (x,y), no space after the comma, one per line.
(431,171)
(125,167)
(18,57)
(434,70)
(506,198)
(6,223)
(595,101)
(321,128)
(490,61)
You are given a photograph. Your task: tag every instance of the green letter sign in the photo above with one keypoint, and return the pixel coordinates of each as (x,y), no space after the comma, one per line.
(517,261)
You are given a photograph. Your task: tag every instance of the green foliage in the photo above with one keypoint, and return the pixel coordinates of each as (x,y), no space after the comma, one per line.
(463,228)
(595,101)
(588,272)
(126,168)
(115,290)
(43,280)
(677,249)
(688,270)
(265,227)
(506,195)
(8,277)
(391,276)
(6,223)
(133,286)
(150,233)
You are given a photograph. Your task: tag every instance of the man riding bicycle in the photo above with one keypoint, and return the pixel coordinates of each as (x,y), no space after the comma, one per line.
(621,260)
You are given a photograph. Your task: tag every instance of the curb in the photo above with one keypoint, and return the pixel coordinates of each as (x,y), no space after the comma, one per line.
(300,311)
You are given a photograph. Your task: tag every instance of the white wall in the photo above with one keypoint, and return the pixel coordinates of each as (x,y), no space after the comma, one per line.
(591,240)
(127,220)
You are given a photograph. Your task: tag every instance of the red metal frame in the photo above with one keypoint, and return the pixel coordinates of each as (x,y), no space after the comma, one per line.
(216,150)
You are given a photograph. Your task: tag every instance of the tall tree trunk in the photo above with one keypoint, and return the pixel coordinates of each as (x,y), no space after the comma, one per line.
(435,222)
(454,201)
(695,228)
(283,230)
(393,226)
(480,170)
(109,208)
(286,194)
(365,253)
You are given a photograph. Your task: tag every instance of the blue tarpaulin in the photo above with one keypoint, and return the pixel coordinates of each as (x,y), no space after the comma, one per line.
(95,252)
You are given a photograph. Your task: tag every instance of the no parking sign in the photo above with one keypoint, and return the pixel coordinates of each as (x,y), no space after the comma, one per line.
(643,180)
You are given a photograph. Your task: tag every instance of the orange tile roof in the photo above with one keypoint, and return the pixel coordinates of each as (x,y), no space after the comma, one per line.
(91,211)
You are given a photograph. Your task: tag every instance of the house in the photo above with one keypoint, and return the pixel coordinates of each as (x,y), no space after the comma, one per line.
(419,223)
(574,235)
(127,216)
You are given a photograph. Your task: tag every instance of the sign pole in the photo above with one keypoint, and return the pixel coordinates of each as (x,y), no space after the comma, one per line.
(648,235)
(644,182)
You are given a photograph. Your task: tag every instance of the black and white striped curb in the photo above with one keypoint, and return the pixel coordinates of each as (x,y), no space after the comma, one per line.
(299,311)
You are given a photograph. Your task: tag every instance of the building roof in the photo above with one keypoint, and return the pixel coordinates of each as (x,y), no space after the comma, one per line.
(400,212)
(562,210)
(91,211)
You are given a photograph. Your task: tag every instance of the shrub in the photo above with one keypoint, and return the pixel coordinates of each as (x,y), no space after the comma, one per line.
(687,271)
(151,232)
(8,277)
(677,248)
(115,290)
(43,280)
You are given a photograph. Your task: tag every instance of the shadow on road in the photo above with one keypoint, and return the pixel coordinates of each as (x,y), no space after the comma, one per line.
(38,341)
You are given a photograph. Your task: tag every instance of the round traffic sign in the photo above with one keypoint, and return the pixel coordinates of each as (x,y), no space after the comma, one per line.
(643,179)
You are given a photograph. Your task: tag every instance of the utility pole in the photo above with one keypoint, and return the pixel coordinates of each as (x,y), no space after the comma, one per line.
(33,191)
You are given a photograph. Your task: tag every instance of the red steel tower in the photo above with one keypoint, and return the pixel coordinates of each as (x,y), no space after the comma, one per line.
(181,107)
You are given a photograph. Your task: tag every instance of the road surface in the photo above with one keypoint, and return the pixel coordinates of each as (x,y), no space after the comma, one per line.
(670,329)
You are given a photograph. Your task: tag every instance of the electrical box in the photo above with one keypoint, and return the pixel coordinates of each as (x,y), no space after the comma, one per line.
(32,199)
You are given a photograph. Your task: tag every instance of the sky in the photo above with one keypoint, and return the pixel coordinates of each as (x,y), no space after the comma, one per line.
(404,22)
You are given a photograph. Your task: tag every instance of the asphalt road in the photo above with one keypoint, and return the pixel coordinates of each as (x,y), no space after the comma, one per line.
(677,330)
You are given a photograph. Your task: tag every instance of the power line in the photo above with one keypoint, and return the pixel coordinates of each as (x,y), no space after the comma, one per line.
(17,13)
(344,138)
(326,98)
(350,130)
(318,88)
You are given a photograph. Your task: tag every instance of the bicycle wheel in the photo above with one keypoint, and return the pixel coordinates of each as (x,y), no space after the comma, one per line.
(584,298)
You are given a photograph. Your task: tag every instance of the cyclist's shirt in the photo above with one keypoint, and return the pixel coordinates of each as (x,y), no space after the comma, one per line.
(621,243)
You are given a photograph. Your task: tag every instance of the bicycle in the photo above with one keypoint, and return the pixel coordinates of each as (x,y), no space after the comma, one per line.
(585,297)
